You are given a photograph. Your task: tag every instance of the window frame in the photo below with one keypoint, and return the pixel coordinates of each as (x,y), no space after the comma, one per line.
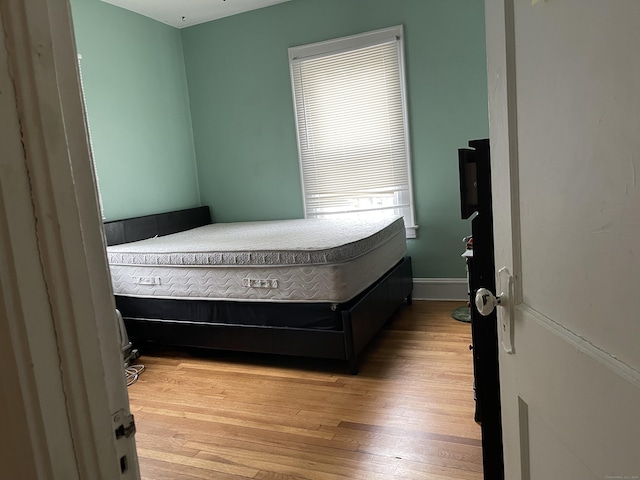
(346,44)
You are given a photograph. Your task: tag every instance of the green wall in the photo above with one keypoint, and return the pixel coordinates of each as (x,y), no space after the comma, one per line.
(138,110)
(242,110)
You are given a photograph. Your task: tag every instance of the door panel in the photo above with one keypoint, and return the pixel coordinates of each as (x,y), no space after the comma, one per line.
(576,398)
(550,457)
(577,74)
(564,98)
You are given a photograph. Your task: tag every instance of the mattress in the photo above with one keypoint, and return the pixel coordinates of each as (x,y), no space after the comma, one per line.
(310,260)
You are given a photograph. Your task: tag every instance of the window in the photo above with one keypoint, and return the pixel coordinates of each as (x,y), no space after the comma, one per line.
(351,119)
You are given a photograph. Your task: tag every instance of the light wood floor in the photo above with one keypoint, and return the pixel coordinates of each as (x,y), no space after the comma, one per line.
(408,414)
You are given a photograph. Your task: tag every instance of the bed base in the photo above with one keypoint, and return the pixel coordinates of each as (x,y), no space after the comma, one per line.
(360,319)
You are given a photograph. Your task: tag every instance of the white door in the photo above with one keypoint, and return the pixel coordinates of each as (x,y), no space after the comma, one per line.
(564,96)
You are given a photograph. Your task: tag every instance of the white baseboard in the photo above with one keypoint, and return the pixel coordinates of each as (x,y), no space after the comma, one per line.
(440,289)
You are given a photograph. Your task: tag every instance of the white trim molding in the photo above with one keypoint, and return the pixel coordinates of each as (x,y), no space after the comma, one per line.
(64,398)
(455,289)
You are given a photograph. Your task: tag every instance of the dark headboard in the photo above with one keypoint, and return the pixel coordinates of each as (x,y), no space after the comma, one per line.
(140,228)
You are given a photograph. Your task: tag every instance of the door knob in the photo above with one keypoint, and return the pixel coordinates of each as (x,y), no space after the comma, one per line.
(486,301)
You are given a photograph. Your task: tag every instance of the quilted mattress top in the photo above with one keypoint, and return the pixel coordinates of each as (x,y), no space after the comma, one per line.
(281,242)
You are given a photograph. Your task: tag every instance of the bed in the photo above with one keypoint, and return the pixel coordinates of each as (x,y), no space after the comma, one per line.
(315,288)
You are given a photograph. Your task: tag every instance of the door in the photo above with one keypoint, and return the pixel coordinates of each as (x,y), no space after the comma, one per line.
(564,99)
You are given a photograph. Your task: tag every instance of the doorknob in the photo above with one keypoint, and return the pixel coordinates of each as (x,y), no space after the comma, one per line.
(486,301)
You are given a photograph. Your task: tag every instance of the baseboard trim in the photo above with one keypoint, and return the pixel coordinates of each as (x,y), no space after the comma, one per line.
(440,289)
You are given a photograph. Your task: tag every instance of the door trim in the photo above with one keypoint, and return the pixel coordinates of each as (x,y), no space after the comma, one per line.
(64,334)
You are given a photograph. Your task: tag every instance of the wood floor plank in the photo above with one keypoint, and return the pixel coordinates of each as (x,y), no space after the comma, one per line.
(408,414)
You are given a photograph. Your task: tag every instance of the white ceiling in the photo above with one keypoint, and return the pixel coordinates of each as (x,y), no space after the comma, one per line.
(185,13)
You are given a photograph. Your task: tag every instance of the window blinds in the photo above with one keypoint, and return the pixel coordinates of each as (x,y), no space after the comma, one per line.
(352,132)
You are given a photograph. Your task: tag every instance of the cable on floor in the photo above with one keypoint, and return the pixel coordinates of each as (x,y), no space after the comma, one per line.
(132,373)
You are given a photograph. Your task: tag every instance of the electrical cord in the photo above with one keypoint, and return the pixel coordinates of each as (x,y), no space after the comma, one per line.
(132,373)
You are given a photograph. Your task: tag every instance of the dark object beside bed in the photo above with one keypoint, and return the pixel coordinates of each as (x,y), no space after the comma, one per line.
(321,330)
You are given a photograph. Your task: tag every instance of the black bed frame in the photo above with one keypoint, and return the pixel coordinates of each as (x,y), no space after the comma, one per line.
(357,320)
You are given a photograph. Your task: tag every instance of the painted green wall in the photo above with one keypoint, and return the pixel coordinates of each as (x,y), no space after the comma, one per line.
(242,110)
(138,110)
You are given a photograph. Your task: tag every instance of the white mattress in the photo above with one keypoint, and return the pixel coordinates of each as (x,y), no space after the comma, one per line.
(312,260)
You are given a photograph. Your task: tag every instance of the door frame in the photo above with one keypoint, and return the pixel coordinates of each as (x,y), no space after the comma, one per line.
(65,394)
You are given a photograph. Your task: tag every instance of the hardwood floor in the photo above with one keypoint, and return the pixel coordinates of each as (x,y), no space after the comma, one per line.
(408,414)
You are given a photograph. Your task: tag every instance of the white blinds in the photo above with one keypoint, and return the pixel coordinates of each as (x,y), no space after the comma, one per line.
(352,132)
